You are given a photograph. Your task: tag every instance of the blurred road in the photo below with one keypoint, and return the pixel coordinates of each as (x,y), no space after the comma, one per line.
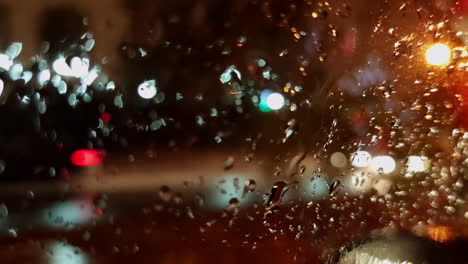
(160,212)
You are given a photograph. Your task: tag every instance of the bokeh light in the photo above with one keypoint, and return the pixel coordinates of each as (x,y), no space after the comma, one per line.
(417,164)
(68,214)
(43,76)
(382,186)
(64,253)
(357,182)
(317,188)
(438,55)
(338,160)
(270,100)
(275,101)
(87,157)
(383,164)
(440,233)
(147,89)
(5,62)
(360,159)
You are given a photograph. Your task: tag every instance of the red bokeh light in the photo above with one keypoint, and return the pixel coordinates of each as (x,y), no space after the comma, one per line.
(87,157)
(106,117)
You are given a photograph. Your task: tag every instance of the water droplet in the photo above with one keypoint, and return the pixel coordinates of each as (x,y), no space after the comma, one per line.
(200,200)
(233,205)
(334,186)
(12,233)
(276,196)
(62,86)
(158,206)
(14,50)
(44,47)
(143,52)
(56,80)
(159,97)
(190,213)
(226,51)
(42,106)
(89,44)
(27,76)
(157,124)
(165,193)
(242,39)
(2,166)
(16,71)
(290,130)
(214,112)
(110,86)
(3,211)
(178,198)
(302,169)
(72,99)
(234,202)
(230,74)
(1,87)
(261,63)
(200,120)
(30,195)
(118,101)
(235,182)
(86,236)
(229,163)
(249,186)
(52,172)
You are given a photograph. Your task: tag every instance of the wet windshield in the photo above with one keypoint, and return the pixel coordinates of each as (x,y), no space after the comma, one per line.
(253,131)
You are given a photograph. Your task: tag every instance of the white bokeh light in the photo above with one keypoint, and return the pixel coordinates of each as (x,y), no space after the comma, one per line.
(61,67)
(360,159)
(147,89)
(5,62)
(14,50)
(79,67)
(275,101)
(16,71)
(67,214)
(43,76)
(417,164)
(384,164)
(64,253)
(91,76)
